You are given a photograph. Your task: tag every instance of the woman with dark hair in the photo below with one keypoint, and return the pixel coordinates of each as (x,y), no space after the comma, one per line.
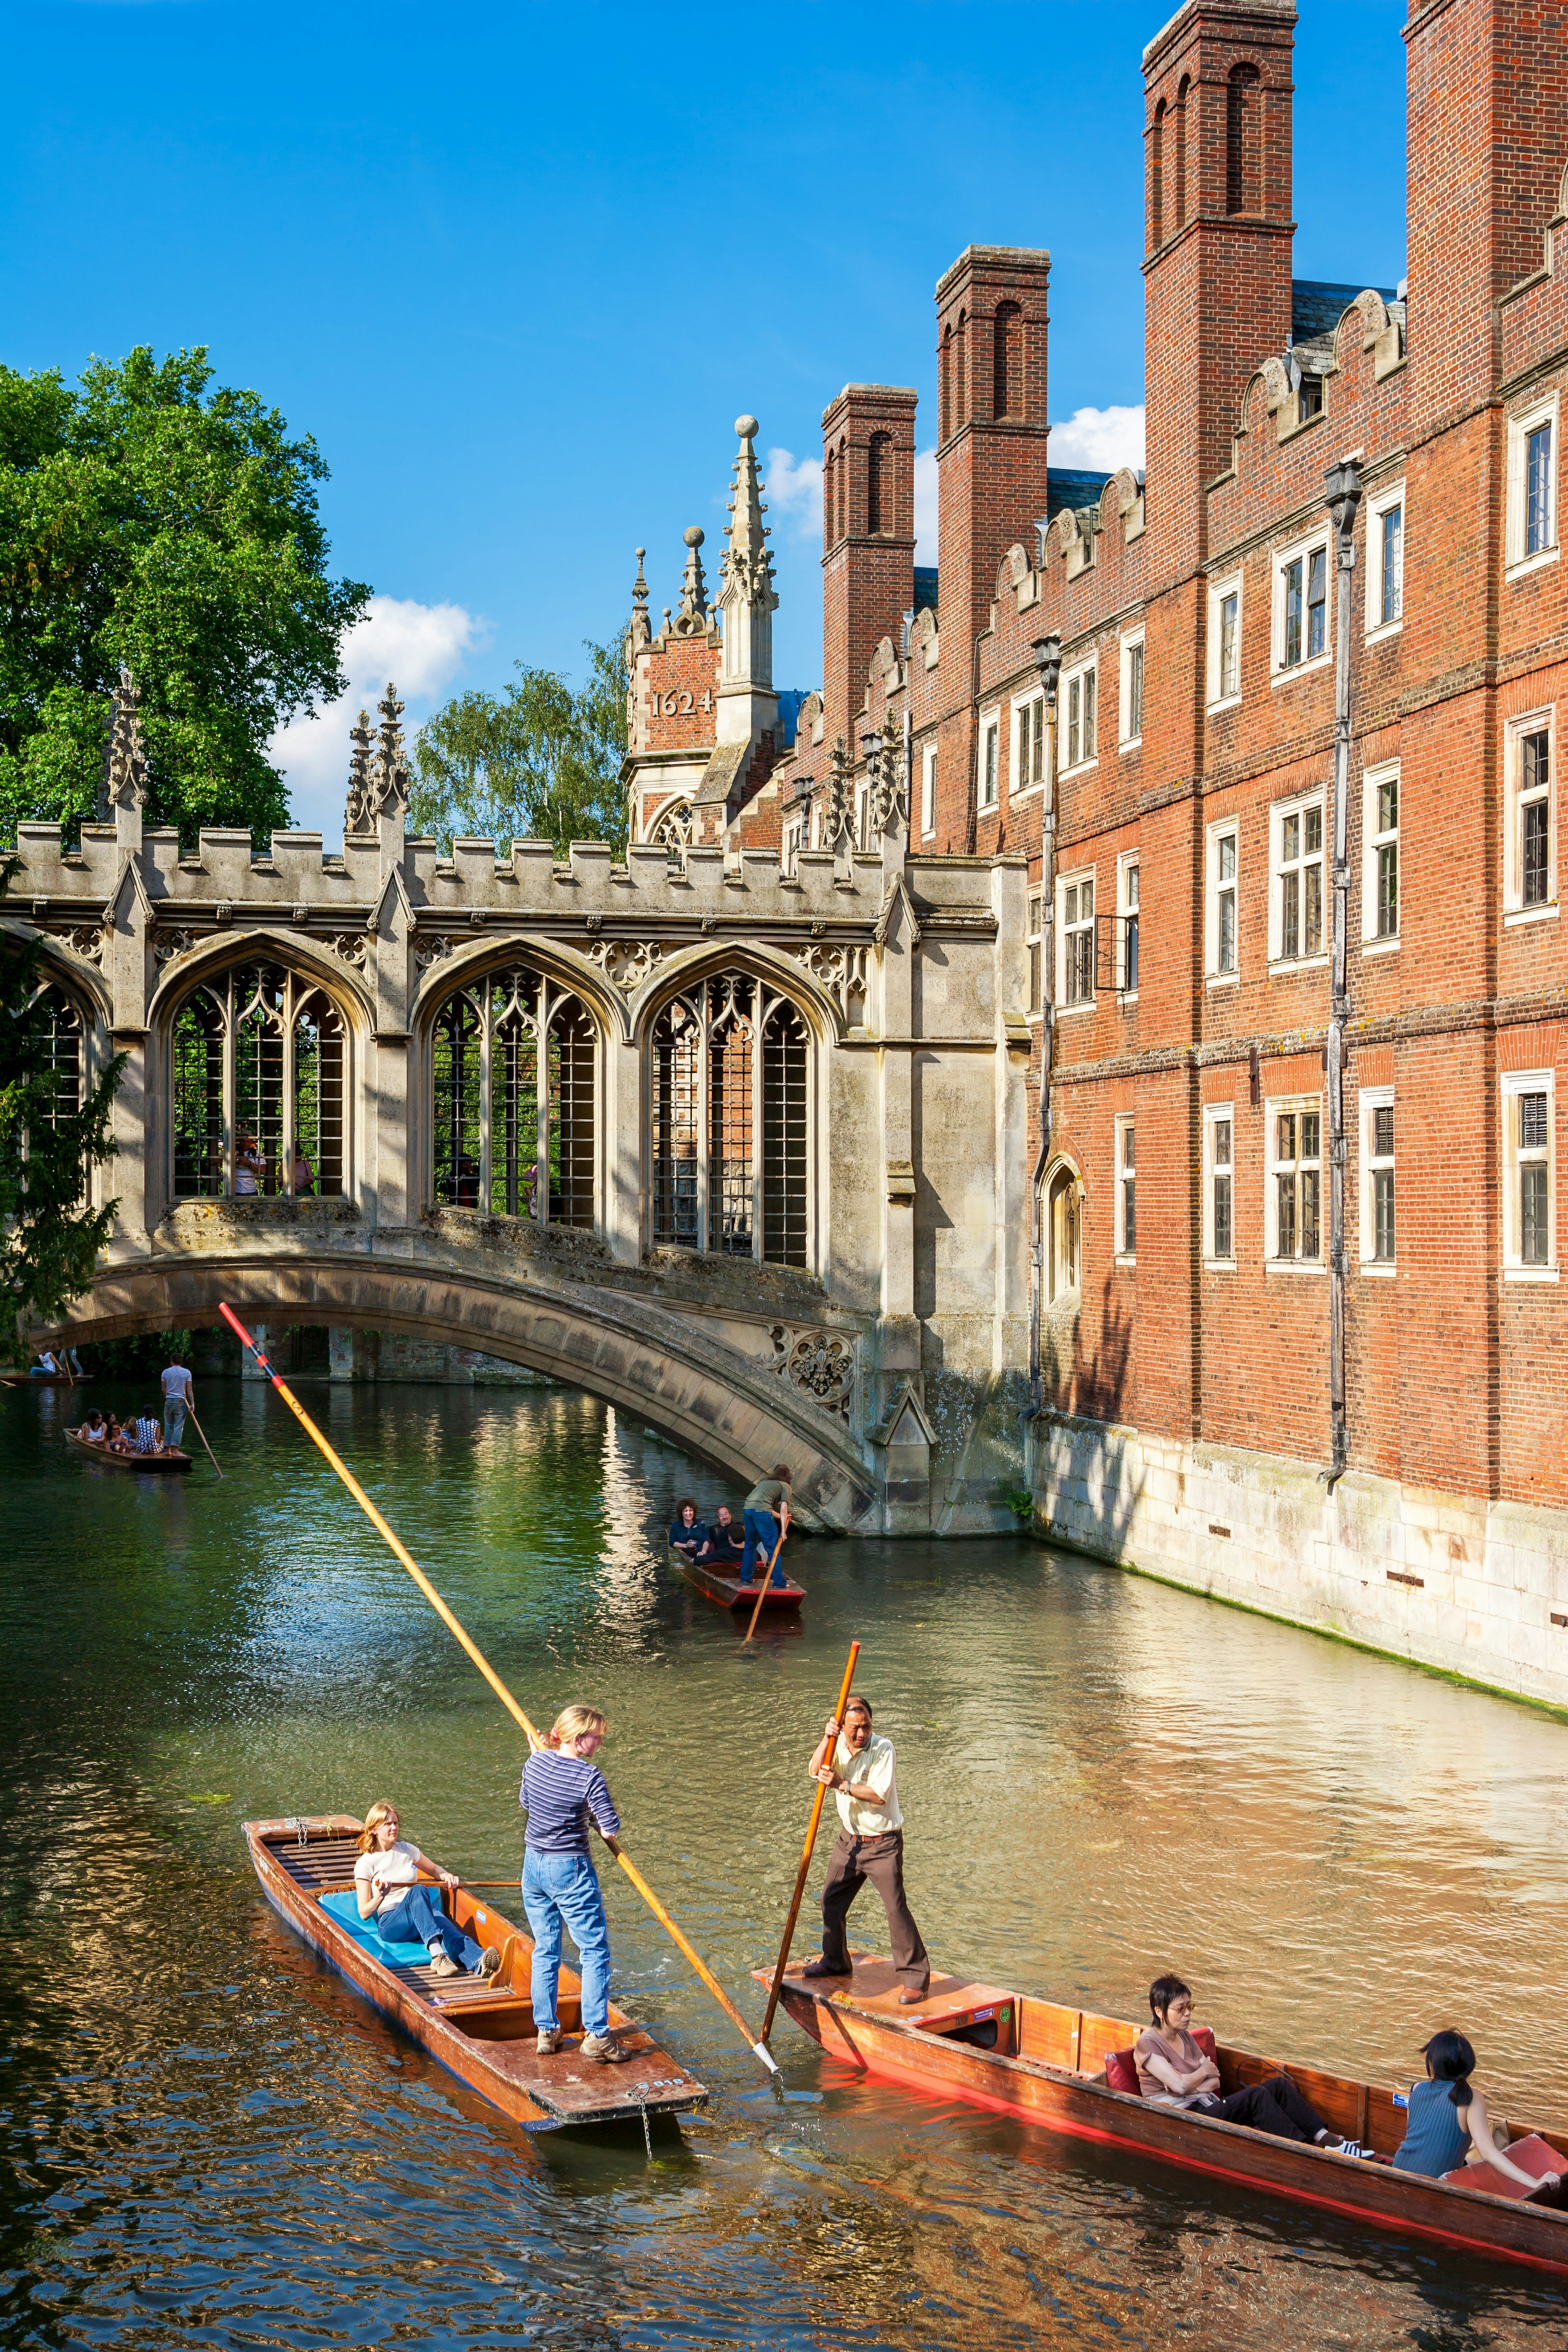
(1174,2072)
(687,1535)
(1449,2123)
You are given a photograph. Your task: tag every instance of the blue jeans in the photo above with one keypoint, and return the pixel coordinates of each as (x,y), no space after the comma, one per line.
(173,1420)
(561,1889)
(761,1536)
(419,1919)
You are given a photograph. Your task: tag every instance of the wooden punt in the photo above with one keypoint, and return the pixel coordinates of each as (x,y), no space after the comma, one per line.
(170,1459)
(485,2033)
(729,1591)
(43,1379)
(1045,2064)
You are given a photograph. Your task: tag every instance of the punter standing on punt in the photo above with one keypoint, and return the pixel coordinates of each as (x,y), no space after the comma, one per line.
(561,1785)
(870,1845)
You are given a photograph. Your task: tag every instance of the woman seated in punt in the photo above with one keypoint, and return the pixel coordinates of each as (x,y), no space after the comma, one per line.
(1448,2124)
(1173,2072)
(687,1535)
(386,1886)
(95,1430)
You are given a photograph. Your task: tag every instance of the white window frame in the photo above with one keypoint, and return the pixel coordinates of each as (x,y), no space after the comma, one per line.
(1513,1084)
(1520,428)
(1126,1126)
(927,792)
(1127,902)
(792,841)
(1127,740)
(1222,828)
(1377,507)
(1515,729)
(1066,882)
(1034,943)
(1218,696)
(1371,1100)
(1301,550)
(1293,1106)
(1376,837)
(990,757)
(1212,1114)
(1028,733)
(1090,704)
(1279,817)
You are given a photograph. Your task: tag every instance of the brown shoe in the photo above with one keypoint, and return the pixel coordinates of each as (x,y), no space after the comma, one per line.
(549,2043)
(441,1966)
(489,1964)
(608,2052)
(824,1967)
(910,1999)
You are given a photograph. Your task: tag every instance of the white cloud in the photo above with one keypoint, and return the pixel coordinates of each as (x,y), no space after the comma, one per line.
(1099,440)
(925,507)
(421,647)
(794,491)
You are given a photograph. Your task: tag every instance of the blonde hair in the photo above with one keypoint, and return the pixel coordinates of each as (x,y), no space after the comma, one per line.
(573,1719)
(373,1821)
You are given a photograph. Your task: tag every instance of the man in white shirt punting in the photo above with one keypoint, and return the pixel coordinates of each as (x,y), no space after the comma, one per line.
(861,1770)
(179,1394)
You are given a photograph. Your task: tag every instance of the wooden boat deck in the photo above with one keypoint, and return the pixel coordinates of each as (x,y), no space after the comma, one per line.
(1044,2064)
(485,2033)
(729,1591)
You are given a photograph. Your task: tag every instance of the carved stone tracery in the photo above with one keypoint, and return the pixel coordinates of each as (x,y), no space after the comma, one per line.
(626,962)
(818,1365)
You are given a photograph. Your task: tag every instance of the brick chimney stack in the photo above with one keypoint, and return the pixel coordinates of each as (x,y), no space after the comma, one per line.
(1217,233)
(868,539)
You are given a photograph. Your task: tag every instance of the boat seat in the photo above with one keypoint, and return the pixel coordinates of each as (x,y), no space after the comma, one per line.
(1122,2068)
(345,1909)
(1531,2154)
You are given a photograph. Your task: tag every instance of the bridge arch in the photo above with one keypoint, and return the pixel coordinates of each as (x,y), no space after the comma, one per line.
(632,1353)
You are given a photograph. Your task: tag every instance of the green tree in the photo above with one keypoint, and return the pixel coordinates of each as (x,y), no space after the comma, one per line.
(538,762)
(49,1236)
(150,518)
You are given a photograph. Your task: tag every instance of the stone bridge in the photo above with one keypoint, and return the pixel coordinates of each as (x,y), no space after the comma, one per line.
(736,1145)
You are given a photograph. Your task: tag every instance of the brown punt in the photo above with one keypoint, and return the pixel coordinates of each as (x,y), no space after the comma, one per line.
(170,1459)
(729,1591)
(1046,2064)
(485,2033)
(43,1379)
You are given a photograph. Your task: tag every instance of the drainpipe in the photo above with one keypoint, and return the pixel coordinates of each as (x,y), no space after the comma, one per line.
(1047,653)
(1343,488)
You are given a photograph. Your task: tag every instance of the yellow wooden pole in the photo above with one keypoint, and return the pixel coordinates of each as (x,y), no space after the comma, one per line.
(763,1587)
(536,1738)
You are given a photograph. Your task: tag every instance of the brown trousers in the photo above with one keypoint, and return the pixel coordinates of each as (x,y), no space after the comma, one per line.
(881,1860)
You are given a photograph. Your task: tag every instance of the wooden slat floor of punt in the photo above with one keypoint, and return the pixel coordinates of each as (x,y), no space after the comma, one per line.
(873,1983)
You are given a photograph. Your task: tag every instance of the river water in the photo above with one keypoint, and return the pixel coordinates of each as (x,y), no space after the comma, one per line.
(206,2139)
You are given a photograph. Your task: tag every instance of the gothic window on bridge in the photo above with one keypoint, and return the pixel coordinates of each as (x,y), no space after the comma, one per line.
(259,1088)
(731,1125)
(513,1120)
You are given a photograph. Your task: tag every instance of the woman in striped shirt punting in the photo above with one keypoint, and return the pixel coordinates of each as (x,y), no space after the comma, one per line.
(561,1785)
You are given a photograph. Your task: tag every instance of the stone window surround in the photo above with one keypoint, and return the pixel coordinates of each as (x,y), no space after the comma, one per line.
(989,779)
(1019,783)
(1127,865)
(1230,585)
(1080,670)
(1541,411)
(1370,1100)
(1512,1084)
(1125,1125)
(1126,740)
(1516,727)
(1217,831)
(1296,805)
(1385,770)
(1213,1111)
(1378,506)
(1273,1108)
(1075,881)
(927,792)
(1281,560)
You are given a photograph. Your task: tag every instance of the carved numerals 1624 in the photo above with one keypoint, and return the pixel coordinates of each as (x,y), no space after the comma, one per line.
(679,703)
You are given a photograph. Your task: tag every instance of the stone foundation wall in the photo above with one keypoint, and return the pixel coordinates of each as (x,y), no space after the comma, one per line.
(1453,1582)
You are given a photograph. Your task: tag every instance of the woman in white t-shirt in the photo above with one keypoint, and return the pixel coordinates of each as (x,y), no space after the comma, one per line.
(387,1884)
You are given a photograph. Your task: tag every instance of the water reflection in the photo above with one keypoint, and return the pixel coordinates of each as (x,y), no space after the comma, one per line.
(212,2141)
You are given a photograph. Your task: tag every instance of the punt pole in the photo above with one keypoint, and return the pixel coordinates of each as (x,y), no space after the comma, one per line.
(811,1826)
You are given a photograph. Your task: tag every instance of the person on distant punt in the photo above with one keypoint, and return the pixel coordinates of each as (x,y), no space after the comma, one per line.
(687,1535)
(870,1845)
(561,1786)
(46,1369)
(766,1515)
(387,1890)
(1173,2072)
(1448,2124)
(179,1397)
(728,1548)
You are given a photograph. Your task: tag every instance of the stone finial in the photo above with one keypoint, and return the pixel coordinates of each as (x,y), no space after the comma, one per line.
(836,814)
(641,630)
(356,810)
(748,562)
(123,783)
(389,768)
(691,620)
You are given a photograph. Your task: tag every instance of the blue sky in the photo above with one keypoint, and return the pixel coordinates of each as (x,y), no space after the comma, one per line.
(518,269)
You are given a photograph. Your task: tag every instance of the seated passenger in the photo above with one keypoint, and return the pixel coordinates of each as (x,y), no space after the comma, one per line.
(727,1546)
(1448,2124)
(45,1368)
(94,1429)
(687,1533)
(145,1435)
(1172,2071)
(386,1889)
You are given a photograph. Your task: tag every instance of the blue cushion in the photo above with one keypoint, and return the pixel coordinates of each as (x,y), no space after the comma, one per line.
(345,1909)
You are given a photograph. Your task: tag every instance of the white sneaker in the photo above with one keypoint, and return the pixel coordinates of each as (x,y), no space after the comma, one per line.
(440,1965)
